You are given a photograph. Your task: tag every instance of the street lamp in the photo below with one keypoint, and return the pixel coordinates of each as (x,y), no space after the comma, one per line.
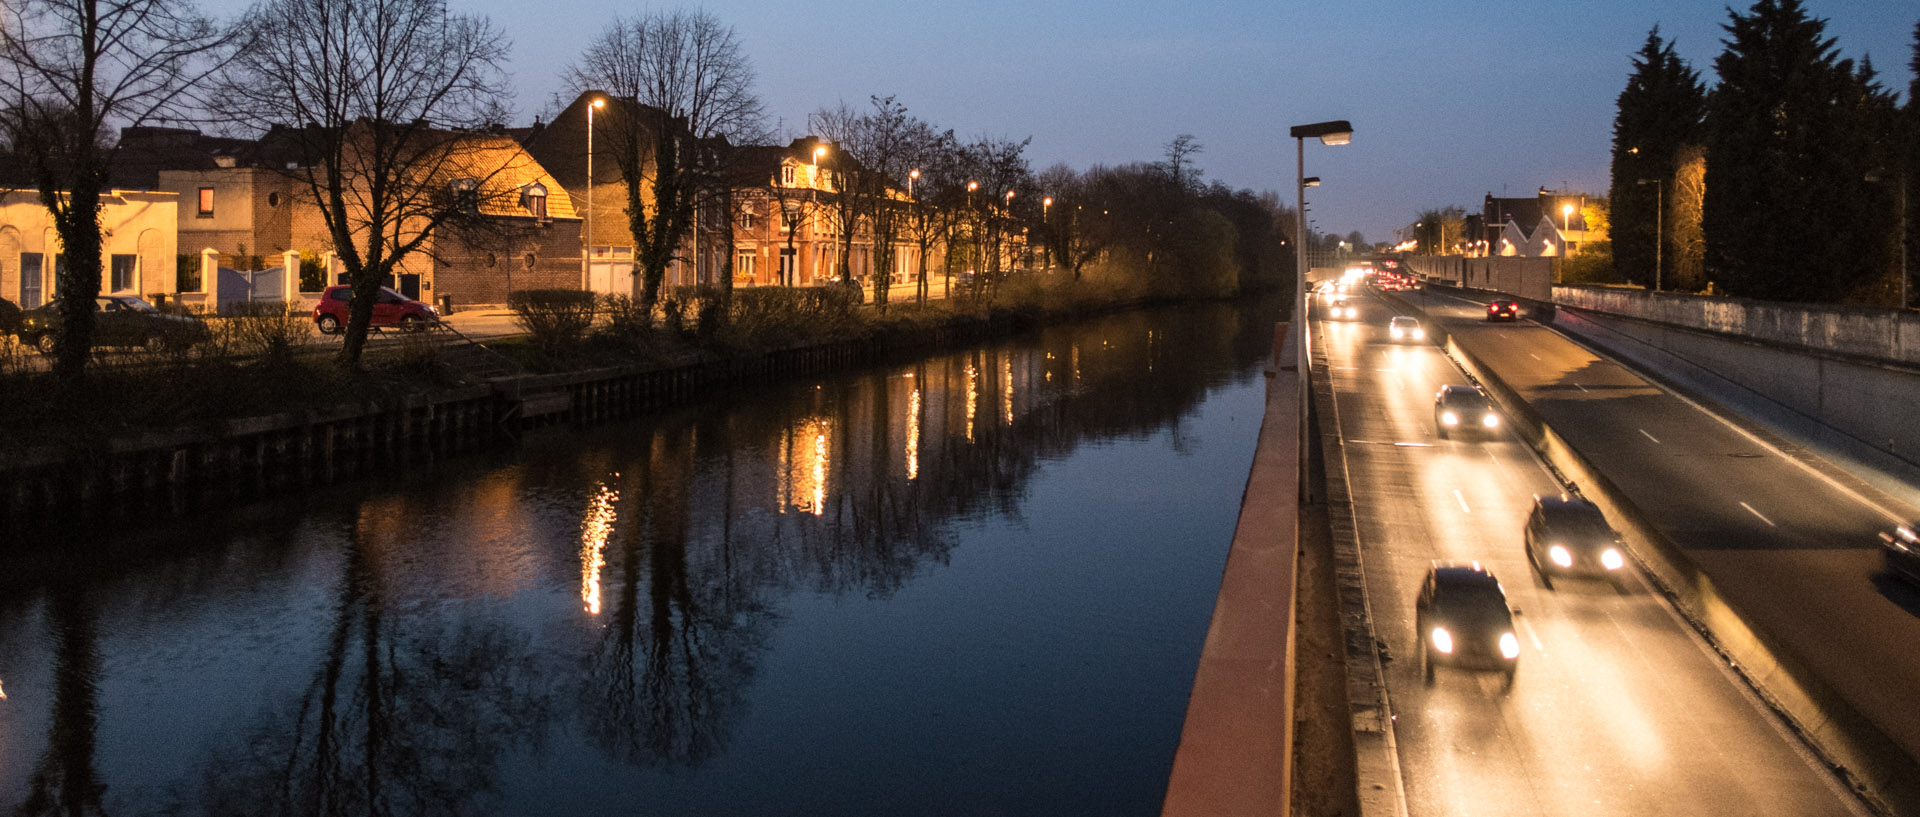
(1334,132)
(911,175)
(1659,224)
(1046,247)
(586,227)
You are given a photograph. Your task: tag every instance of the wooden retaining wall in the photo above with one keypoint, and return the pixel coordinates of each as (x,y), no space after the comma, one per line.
(175,471)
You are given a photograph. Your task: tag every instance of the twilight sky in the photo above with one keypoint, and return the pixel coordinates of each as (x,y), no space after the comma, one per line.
(1447,104)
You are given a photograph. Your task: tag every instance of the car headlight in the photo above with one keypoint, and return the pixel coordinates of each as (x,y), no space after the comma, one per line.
(1491,421)
(1396,333)
(1611,559)
(1442,640)
(1560,556)
(1509,646)
(1449,418)
(1419,333)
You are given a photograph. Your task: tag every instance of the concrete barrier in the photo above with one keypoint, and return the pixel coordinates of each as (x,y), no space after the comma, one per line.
(1874,333)
(1236,746)
(1869,400)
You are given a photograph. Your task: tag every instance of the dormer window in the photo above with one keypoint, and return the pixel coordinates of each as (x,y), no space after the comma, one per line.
(786,175)
(534,198)
(466,195)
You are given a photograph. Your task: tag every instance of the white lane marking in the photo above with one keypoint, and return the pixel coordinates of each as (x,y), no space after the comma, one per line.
(1580,387)
(1763,517)
(1532,635)
(1417,445)
(1532,355)
(1656,440)
(1463,501)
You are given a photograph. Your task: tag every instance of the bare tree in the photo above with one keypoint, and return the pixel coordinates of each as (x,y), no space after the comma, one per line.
(679,79)
(375,92)
(876,151)
(933,196)
(71,70)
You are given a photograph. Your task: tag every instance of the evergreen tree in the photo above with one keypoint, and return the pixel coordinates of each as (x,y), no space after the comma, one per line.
(1660,113)
(1787,153)
(1910,138)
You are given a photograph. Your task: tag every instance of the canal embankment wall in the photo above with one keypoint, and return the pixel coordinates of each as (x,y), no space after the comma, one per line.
(176,470)
(1846,737)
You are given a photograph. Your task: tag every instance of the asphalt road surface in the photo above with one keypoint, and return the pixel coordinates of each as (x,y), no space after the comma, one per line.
(1618,707)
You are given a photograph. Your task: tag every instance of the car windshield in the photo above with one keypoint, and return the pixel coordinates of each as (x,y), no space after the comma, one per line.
(1465,399)
(133,303)
(1578,525)
(1475,602)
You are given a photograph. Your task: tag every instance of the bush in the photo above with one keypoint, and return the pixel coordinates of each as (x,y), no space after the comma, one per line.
(270,329)
(1593,266)
(557,320)
(775,316)
(625,320)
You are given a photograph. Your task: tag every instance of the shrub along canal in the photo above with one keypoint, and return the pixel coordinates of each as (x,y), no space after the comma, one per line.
(974,584)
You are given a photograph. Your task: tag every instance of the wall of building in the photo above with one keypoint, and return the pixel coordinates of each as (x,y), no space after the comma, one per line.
(141,224)
(1530,278)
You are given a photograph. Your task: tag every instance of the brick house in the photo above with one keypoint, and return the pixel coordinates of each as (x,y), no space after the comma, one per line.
(247,203)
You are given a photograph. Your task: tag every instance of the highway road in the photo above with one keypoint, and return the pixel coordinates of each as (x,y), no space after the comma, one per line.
(1618,707)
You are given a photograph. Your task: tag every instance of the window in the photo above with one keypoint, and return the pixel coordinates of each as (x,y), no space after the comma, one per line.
(790,218)
(743,266)
(120,269)
(534,198)
(206,202)
(746,218)
(30,290)
(786,175)
(273,199)
(532,260)
(466,195)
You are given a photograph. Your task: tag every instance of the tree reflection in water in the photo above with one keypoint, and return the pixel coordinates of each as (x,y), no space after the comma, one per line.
(65,782)
(406,713)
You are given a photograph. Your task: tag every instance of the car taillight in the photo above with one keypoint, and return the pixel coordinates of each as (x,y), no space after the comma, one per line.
(1611,559)
(1509,646)
(1442,640)
(1560,556)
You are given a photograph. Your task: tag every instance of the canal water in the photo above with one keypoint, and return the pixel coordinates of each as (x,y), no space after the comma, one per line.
(974,584)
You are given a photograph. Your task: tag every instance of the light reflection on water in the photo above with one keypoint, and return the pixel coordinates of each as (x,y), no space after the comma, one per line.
(837,597)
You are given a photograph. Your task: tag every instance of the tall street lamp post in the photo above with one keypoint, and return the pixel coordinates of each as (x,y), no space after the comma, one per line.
(1046,246)
(586,227)
(1335,132)
(1659,226)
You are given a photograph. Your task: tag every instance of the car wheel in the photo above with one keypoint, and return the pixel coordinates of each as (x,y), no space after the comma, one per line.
(1507,685)
(44,343)
(329,325)
(412,323)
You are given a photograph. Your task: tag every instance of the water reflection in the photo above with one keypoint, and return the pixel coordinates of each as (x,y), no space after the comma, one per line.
(453,643)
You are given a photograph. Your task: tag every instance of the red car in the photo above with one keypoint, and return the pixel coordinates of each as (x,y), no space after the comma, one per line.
(389,309)
(1505,309)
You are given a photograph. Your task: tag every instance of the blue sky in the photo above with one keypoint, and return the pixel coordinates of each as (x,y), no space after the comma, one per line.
(1448,104)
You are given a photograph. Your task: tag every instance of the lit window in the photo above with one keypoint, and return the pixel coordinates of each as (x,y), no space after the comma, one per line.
(206,201)
(786,175)
(534,198)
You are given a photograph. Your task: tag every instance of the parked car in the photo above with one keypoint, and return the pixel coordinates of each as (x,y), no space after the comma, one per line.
(118,320)
(1463,622)
(1505,309)
(1406,327)
(1463,409)
(1900,548)
(1568,536)
(390,308)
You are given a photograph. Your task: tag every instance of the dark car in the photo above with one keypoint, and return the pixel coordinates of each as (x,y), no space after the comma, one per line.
(1900,548)
(1505,309)
(1464,622)
(390,308)
(1463,409)
(118,320)
(1568,536)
